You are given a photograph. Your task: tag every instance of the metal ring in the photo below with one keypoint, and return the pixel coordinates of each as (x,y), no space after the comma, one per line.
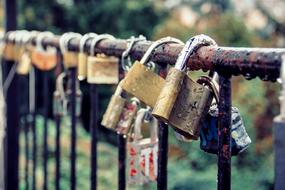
(156,44)
(84,39)
(130,43)
(98,39)
(212,84)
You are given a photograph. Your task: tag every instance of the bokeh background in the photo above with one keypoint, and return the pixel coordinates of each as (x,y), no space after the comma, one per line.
(237,23)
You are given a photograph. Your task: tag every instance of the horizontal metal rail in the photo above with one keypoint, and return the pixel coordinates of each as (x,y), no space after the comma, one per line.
(264,63)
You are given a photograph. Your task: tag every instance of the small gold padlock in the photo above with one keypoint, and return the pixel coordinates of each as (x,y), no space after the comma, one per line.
(82,56)
(114,110)
(9,53)
(70,58)
(182,102)
(102,69)
(141,81)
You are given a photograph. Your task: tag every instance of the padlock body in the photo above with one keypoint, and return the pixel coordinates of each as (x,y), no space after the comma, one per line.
(24,64)
(70,59)
(143,83)
(82,65)
(126,118)
(44,60)
(9,52)
(183,104)
(168,94)
(102,70)
(113,112)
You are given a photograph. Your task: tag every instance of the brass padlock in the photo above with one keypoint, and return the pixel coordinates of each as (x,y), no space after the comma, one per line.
(182,102)
(59,98)
(44,58)
(9,48)
(102,69)
(114,110)
(70,58)
(141,81)
(82,56)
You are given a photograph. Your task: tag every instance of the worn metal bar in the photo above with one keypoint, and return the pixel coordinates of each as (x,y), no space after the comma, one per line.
(249,62)
(121,145)
(163,156)
(93,130)
(279,159)
(57,152)
(45,133)
(121,162)
(224,134)
(73,77)
(27,149)
(11,143)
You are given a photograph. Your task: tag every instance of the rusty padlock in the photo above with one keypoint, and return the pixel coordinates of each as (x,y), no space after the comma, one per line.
(82,56)
(78,99)
(114,109)
(127,116)
(182,102)
(141,81)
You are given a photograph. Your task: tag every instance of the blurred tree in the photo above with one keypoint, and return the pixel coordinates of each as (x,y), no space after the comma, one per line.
(120,18)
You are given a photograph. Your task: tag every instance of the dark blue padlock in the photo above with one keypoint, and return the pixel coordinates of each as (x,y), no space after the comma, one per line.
(209,132)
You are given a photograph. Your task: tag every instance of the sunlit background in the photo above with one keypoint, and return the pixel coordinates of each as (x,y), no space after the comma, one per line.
(238,23)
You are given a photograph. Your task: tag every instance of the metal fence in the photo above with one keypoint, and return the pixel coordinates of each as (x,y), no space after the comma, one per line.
(228,62)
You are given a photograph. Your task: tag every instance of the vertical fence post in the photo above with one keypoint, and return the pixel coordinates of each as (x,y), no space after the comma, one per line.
(27,125)
(12,102)
(93,130)
(73,77)
(121,146)
(224,134)
(162,156)
(45,133)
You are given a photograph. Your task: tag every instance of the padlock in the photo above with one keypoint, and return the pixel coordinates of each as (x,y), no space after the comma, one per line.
(183,103)
(25,62)
(70,58)
(127,116)
(82,56)
(142,153)
(209,132)
(102,69)
(9,47)
(59,97)
(114,110)
(44,58)
(141,81)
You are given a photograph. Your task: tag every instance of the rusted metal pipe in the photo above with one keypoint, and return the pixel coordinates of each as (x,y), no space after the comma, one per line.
(249,62)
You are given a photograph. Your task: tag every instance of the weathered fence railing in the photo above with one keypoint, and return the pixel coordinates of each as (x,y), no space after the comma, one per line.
(249,62)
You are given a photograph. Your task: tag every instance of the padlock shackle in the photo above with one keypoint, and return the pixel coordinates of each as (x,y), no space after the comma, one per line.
(59,85)
(191,46)
(40,37)
(118,90)
(130,43)
(65,39)
(84,39)
(138,124)
(156,44)
(97,39)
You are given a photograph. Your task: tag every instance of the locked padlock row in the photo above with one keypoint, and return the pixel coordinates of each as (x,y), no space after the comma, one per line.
(142,97)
